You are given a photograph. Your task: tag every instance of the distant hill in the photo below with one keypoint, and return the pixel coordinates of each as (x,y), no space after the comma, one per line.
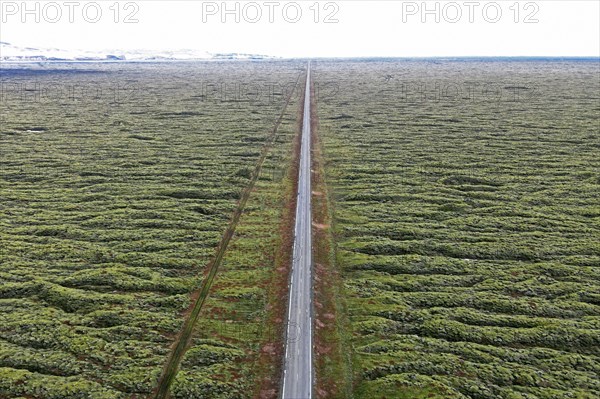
(12,53)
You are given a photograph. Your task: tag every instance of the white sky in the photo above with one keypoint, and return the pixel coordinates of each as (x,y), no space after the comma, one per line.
(364,28)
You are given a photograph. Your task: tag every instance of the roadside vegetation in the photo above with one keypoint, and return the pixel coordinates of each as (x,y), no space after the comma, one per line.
(236,346)
(333,359)
(467,225)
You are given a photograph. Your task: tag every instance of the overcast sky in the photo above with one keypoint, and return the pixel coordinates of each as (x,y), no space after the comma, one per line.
(296,29)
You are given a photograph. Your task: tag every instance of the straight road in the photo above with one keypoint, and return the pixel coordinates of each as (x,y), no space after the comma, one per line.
(298,370)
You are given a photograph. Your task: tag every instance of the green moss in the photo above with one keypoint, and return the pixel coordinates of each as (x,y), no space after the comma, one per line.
(467,231)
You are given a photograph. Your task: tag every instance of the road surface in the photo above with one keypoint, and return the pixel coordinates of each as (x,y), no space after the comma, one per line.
(298,370)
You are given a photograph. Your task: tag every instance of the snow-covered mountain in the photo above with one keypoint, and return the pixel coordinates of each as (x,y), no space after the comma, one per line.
(9,52)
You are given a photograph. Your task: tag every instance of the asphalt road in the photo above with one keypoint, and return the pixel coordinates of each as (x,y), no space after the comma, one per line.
(298,370)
